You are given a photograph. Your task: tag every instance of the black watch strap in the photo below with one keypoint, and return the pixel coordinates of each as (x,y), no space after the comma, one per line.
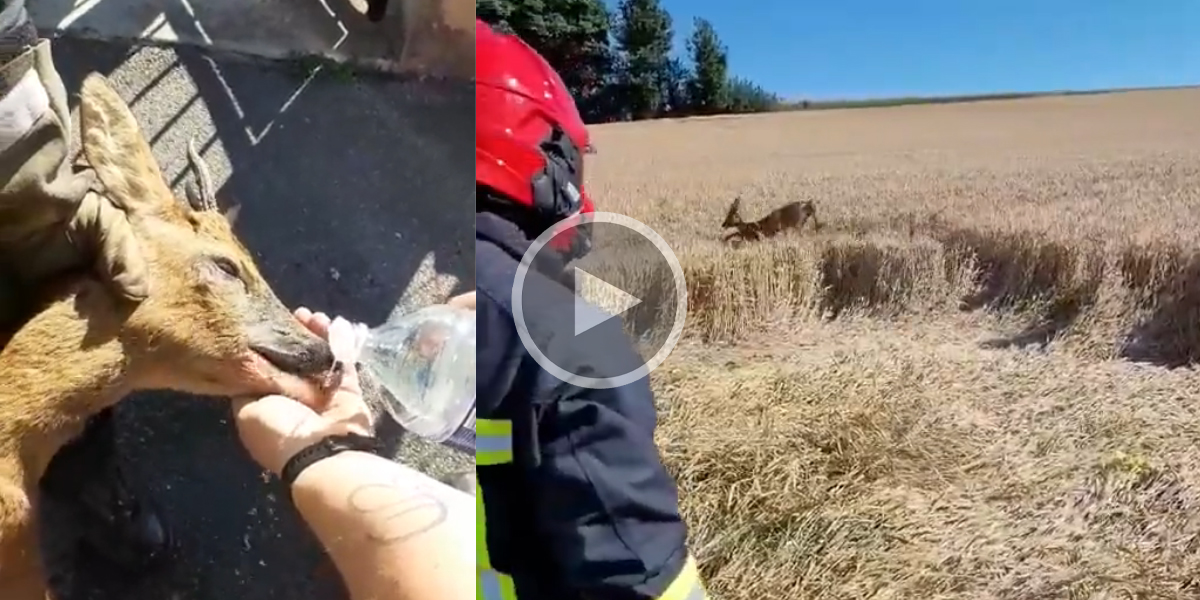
(326,447)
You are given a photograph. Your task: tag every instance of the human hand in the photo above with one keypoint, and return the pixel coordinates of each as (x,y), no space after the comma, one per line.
(466,301)
(55,234)
(100,232)
(275,428)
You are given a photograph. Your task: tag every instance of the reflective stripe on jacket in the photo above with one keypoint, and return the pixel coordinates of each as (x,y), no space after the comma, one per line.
(494,447)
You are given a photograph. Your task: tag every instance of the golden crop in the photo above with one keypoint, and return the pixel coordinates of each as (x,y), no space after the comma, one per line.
(858,413)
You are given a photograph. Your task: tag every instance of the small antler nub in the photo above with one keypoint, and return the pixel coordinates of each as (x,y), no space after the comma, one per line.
(203,198)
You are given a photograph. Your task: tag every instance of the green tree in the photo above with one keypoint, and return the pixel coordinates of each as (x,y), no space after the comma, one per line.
(573,36)
(644,35)
(638,78)
(708,89)
(495,13)
(676,96)
(747,97)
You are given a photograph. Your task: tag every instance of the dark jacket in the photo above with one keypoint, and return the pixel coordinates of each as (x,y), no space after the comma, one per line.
(586,510)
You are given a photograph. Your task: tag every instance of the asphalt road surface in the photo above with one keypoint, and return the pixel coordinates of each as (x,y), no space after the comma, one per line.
(357,200)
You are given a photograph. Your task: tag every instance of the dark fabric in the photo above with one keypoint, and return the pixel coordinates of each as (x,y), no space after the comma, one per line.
(587,509)
(508,214)
(120,525)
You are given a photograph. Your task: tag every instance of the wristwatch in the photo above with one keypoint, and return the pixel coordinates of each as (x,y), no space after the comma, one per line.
(325,448)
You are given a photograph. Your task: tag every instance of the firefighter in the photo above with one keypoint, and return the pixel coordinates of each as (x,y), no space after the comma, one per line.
(573,499)
(52,223)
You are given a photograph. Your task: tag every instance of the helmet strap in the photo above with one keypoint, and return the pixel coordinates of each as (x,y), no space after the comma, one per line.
(556,194)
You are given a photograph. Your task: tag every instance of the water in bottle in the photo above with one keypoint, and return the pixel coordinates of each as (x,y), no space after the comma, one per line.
(424,361)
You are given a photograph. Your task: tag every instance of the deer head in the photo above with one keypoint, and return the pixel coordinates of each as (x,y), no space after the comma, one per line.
(211,324)
(731,218)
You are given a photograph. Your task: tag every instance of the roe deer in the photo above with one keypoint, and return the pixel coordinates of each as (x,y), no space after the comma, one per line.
(789,216)
(117,524)
(211,325)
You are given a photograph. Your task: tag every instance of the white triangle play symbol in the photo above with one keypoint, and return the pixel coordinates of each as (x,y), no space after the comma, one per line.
(587,315)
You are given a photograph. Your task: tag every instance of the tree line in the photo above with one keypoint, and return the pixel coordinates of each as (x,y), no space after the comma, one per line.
(618,64)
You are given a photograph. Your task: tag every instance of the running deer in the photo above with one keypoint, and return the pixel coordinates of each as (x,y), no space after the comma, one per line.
(210,326)
(789,216)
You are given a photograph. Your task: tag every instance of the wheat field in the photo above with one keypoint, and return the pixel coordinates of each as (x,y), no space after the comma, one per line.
(967,385)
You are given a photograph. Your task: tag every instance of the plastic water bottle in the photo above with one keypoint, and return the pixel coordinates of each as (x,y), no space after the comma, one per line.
(424,361)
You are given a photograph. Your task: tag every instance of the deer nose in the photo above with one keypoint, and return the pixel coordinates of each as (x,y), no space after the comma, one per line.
(292,351)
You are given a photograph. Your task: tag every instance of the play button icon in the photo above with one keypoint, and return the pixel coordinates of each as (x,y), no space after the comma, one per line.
(627,293)
(616,301)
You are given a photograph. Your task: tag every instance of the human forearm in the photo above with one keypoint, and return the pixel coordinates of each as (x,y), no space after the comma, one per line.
(392,532)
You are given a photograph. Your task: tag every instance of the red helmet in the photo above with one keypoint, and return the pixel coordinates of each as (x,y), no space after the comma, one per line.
(529,137)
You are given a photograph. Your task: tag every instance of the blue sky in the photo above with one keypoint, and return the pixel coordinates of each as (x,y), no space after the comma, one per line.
(880,48)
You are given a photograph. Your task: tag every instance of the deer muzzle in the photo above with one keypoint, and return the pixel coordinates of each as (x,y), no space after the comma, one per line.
(292,350)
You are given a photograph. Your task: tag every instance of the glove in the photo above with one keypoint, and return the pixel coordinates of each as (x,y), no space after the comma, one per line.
(52,220)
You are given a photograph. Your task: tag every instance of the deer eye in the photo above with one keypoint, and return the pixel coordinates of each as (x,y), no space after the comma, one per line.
(227,266)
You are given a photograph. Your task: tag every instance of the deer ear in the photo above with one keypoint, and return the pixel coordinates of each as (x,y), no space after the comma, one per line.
(116,148)
(733,207)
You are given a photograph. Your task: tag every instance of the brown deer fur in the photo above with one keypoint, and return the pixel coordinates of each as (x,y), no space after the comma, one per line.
(789,216)
(211,325)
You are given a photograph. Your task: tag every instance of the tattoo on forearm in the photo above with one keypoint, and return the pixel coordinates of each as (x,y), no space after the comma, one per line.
(407,511)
